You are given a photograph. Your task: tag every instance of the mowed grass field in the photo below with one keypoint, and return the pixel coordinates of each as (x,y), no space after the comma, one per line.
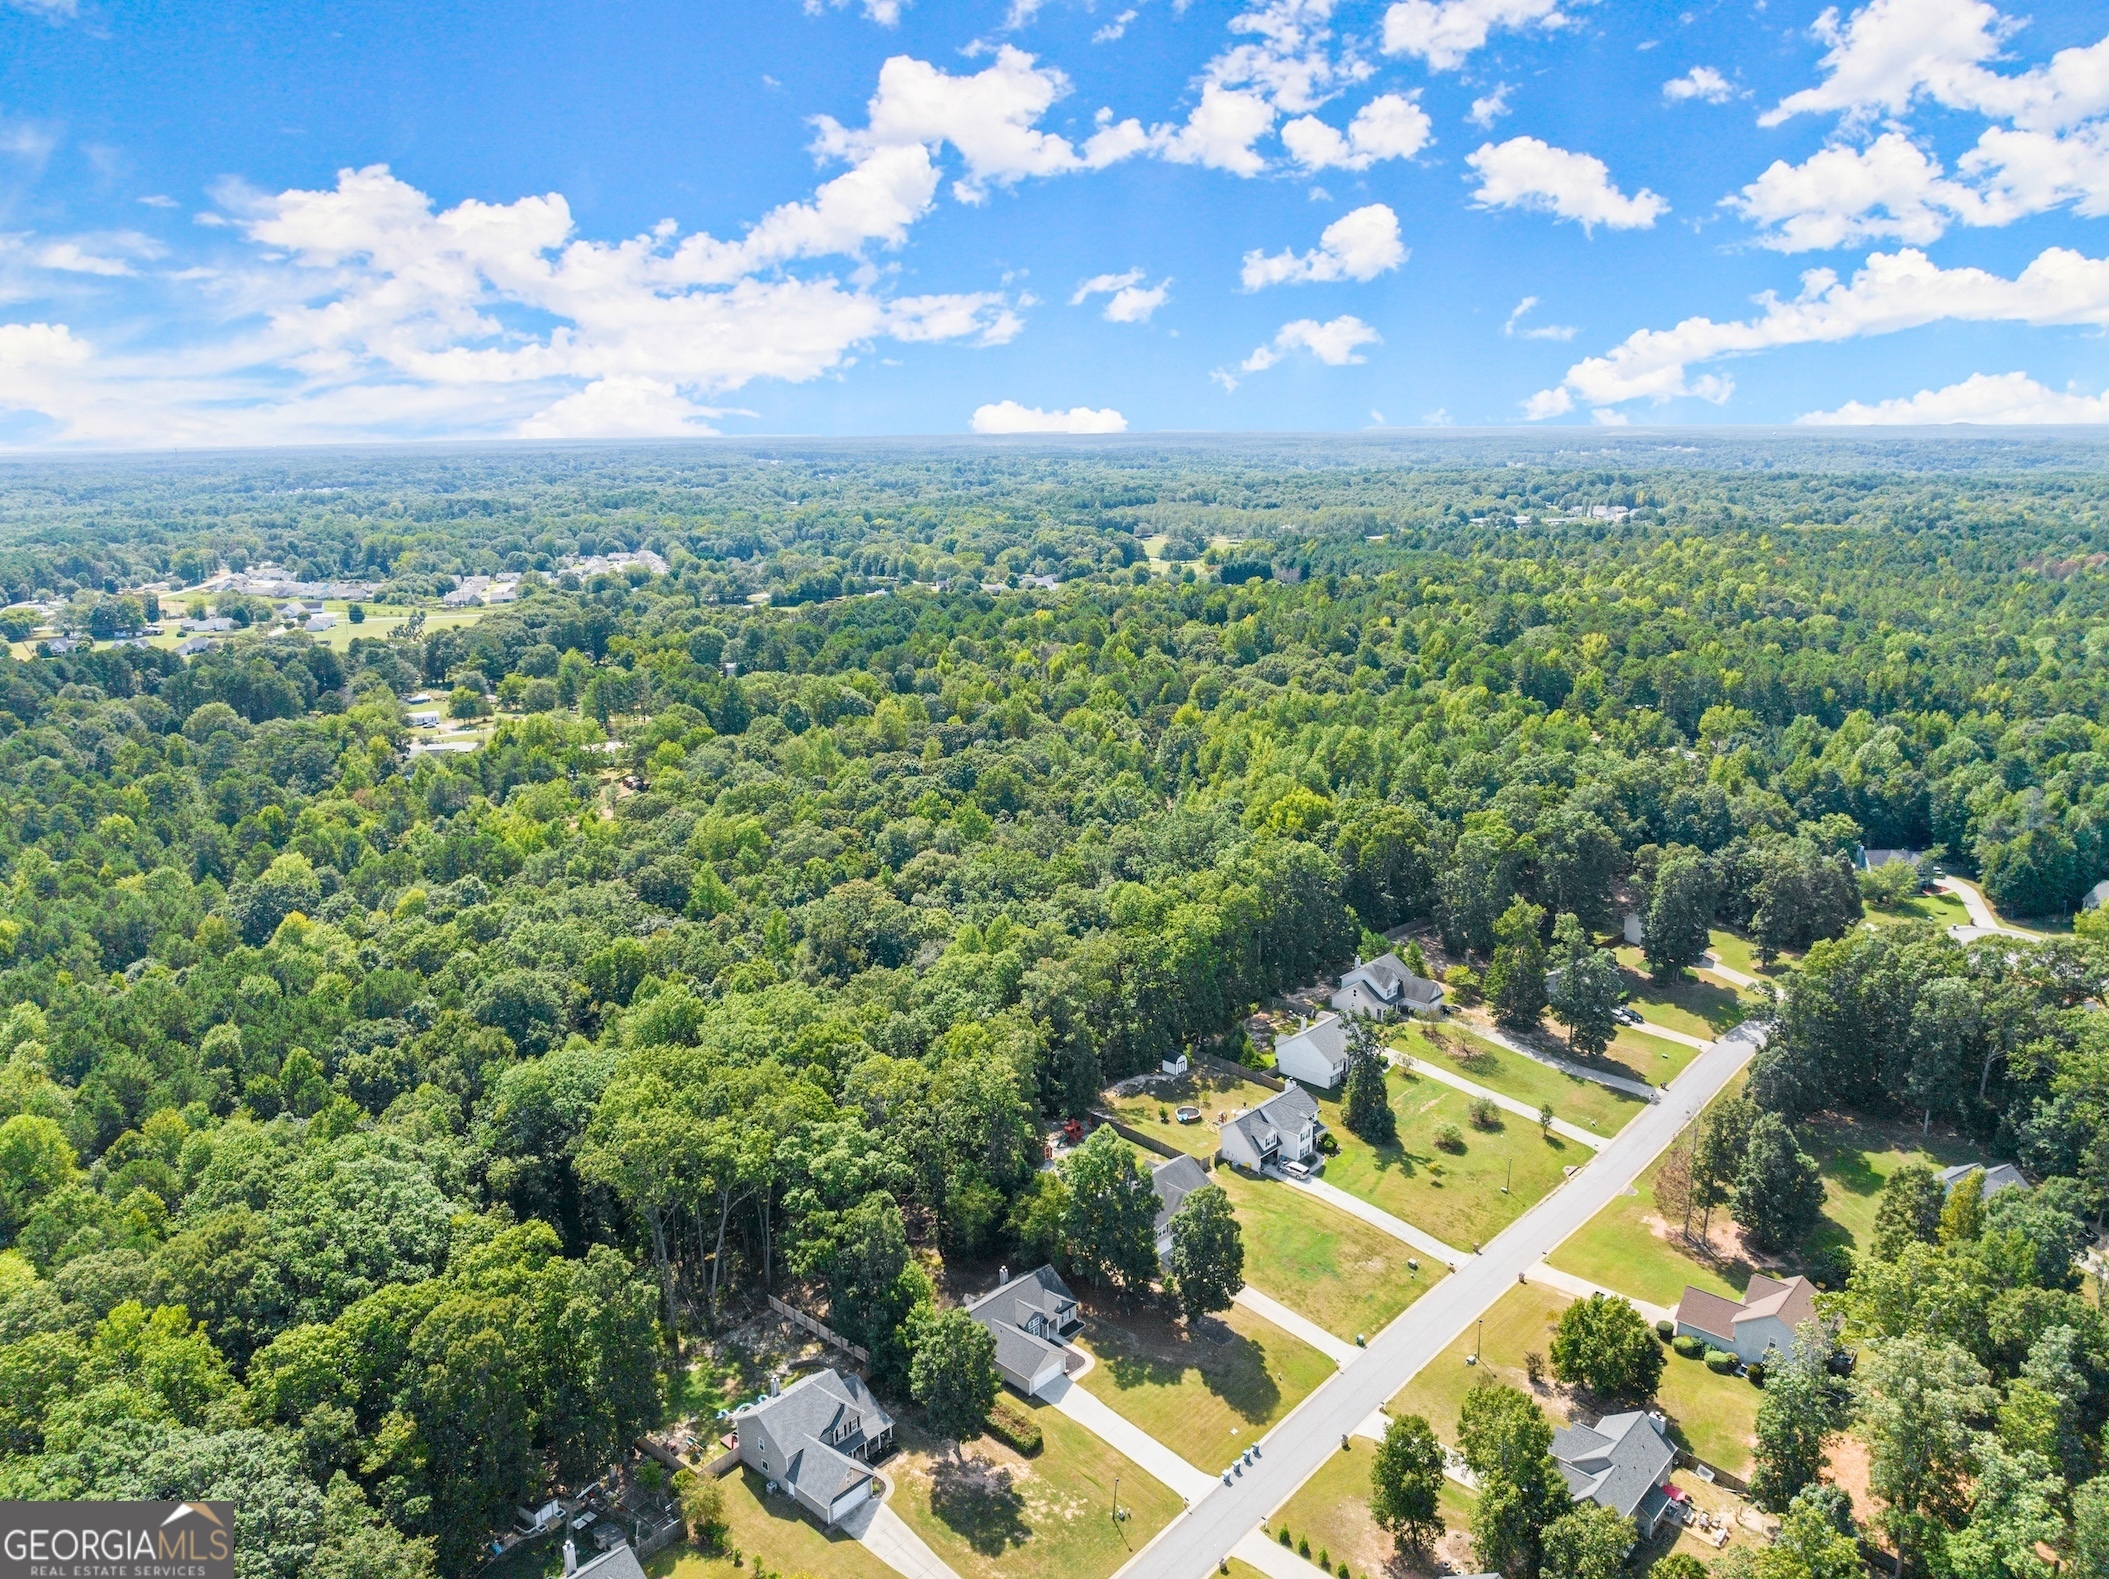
(1328,1267)
(1000,1516)
(1698,1007)
(1207,1390)
(1587,1103)
(1456,1196)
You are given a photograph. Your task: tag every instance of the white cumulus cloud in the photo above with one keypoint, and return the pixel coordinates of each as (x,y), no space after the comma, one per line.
(1391,126)
(620,408)
(1445,32)
(1007,416)
(1526,172)
(1357,246)
(1515,329)
(1991,398)
(1489,107)
(1333,343)
(1893,291)
(1891,190)
(1703,83)
(1129,300)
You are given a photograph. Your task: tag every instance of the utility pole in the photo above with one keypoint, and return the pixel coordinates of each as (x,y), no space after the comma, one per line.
(1511,1179)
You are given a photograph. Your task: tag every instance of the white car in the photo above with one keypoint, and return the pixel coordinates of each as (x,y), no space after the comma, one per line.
(1296,1170)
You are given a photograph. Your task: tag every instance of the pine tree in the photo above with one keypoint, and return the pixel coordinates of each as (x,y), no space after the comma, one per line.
(1365,1097)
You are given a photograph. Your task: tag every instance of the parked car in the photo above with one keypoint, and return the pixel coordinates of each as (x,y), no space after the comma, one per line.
(1296,1170)
(1626,1016)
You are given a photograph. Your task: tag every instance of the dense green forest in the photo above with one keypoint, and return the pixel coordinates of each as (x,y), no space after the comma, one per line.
(378,1127)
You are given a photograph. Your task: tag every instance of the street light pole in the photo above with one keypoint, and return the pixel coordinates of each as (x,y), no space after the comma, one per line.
(1511,1176)
(1479,1340)
(1116,1499)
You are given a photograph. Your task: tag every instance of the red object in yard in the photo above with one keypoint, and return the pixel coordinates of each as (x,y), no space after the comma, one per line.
(1674,1493)
(1072,1130)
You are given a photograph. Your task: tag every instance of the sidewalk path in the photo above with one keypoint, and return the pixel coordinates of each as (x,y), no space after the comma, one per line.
(1116,1430)
(1376,1217)
(1711,964)
(886,1535)
(1273,1559)
(1649,1028)
(1638,1088)
(1335,1349)
(1194,1543)
(1581,1288)
(1560,1126)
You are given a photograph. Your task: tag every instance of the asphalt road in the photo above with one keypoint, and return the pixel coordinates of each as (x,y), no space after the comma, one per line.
(1200,1538)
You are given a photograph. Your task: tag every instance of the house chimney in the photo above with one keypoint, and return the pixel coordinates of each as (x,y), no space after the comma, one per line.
(571,1555)
(776,1385)
(1003,1276)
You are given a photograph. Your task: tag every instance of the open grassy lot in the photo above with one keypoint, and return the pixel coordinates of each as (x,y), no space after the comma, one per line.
(1712,1416)
(1333,1269)
(1596,1108)
(1625,1247)
(1702,1008)
(1213,1093)
(999,1516)
(1455,1196)
(774,1530)
(1739,954)
(1206,1394)
(1331,1511)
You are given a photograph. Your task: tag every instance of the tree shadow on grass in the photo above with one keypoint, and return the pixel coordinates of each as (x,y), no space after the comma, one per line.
(975,1499)
(1148,1351)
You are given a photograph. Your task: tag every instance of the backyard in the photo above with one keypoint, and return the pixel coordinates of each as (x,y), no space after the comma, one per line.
(1588,1103)
(1212,1091)
(1452,1194)
(990,1514)
(1331,1512)
(1205,1391)
(1328,1267)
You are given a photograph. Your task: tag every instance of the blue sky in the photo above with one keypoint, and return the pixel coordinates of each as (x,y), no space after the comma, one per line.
(253,224)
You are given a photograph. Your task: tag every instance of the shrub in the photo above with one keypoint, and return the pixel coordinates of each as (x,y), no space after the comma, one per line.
(1664,1330)
(1484,1114)
(1688,1346)
(1329,1144)
(1450,1138)
(1285,1535)
(1720,1361)
(1303,1547)
(1756,1372)
(1015,1429)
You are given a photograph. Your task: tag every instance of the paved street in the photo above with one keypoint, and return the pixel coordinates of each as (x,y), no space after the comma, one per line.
(1193,1544)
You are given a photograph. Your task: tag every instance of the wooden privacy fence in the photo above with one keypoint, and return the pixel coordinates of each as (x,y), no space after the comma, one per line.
(1145,1140)
(799,1318)
(1258,1077)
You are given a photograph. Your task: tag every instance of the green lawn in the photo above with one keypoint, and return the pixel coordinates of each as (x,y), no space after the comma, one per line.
(1857,1155)
(1204,1399)
(999,1516)
(1655,1059)
(1596,1108)
(1623,1247)
(1215,1094)
(1331,1511)
(1738,953)
(1943,909)
(1712,1416)
(772,1530)
(1326,1266)
(1698,1008)
(1455,1196)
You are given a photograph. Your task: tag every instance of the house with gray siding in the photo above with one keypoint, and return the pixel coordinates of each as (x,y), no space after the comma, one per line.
(817,1439)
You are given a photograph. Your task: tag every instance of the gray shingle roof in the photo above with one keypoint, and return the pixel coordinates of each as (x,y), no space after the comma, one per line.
(1615,1463)
(1393,981)
(617,1562)
(810,1429)
(1292,1109)
(1174,1181)
(1998,1176)
(1038,1292)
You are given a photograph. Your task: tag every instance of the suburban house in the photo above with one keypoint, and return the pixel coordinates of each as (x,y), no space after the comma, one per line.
(1284,1128)
(1999,1176)
(1874,860)
(1032,1317)
(1621,1463)
(617,1562)
(1174,1180)
(817,1439)
(1315,1052)
(1765,1318)
(1383,988)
